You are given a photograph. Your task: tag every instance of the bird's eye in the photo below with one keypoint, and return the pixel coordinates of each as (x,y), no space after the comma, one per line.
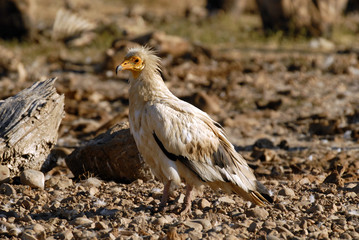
(136,61)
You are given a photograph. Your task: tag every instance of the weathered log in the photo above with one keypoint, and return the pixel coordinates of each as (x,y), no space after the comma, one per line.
(111,156)
(315,18)
(29,123)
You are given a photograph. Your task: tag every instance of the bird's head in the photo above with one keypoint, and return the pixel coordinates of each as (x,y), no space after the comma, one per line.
(137,59)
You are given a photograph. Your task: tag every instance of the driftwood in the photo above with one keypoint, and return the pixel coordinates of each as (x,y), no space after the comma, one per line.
(29,123)
(315,18)
(111,156)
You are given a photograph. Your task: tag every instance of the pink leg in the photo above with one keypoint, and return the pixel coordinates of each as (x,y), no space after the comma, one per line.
(187,200)
(165,194)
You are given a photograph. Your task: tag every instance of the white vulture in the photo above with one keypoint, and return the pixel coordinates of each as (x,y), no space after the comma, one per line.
(179,141)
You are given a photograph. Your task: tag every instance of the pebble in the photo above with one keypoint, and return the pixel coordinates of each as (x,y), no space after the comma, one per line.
(269,224)
(64,183)
(100,226)
(351,195)
(66,235)
(317,208)
(203,203)
(27,235)
(252,227)
(7,189)
(204,222)
(272,237)
(4,174)
(82,221)
(230,237)
(193,224)
(93,191)
(160,221)
(257,212)
(198,212)
(285,231)
(38,228)
(280,206)
(33,178)
(286,192)
(226,199)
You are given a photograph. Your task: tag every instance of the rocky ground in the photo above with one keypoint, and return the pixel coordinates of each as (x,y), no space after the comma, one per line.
(293,114)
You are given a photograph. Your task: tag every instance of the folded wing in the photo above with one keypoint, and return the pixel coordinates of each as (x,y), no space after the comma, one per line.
(186,134)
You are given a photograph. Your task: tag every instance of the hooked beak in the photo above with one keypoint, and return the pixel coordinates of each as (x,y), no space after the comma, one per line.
(118,69)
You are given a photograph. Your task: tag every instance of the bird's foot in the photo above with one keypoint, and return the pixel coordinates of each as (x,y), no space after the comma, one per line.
(186,210)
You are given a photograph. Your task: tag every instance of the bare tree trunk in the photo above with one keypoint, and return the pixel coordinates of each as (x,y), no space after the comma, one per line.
(29,123)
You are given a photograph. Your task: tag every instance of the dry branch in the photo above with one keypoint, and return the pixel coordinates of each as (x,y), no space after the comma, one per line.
(29,123)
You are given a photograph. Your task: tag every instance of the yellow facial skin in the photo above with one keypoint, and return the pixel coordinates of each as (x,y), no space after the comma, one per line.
(134,64)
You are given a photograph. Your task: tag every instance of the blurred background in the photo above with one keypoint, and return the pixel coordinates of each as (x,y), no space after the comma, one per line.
(281,76)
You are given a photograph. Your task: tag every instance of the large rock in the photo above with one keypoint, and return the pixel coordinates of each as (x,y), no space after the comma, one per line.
(111,156)
(29,123)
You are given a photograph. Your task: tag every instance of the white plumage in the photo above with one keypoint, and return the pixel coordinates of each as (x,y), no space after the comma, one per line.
(179,141)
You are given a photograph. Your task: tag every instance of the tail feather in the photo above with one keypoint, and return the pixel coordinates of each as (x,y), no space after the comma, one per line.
(259,196)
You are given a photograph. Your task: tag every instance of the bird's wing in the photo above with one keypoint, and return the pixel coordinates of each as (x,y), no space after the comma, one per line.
(186,134)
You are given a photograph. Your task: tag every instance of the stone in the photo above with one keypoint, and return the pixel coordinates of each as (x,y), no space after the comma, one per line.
(230,237)
(252,227)
(38,228)
(66,235)
(93,191)
(64,183)
(269,224)
(81,221)
(317,208)
(4,174)
(285,231)
(160,221)
(28,236)
(257,212)
(193,224)
(286,192)
(33,178)
(7,189)
(272,237)
(100,226)
(204,222)
(203,203)
(226,199)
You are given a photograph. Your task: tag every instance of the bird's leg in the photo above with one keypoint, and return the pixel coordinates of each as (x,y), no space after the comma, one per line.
(187,200)
(166,191)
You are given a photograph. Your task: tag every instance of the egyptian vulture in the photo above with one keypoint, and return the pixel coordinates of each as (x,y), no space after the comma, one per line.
(179,141)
